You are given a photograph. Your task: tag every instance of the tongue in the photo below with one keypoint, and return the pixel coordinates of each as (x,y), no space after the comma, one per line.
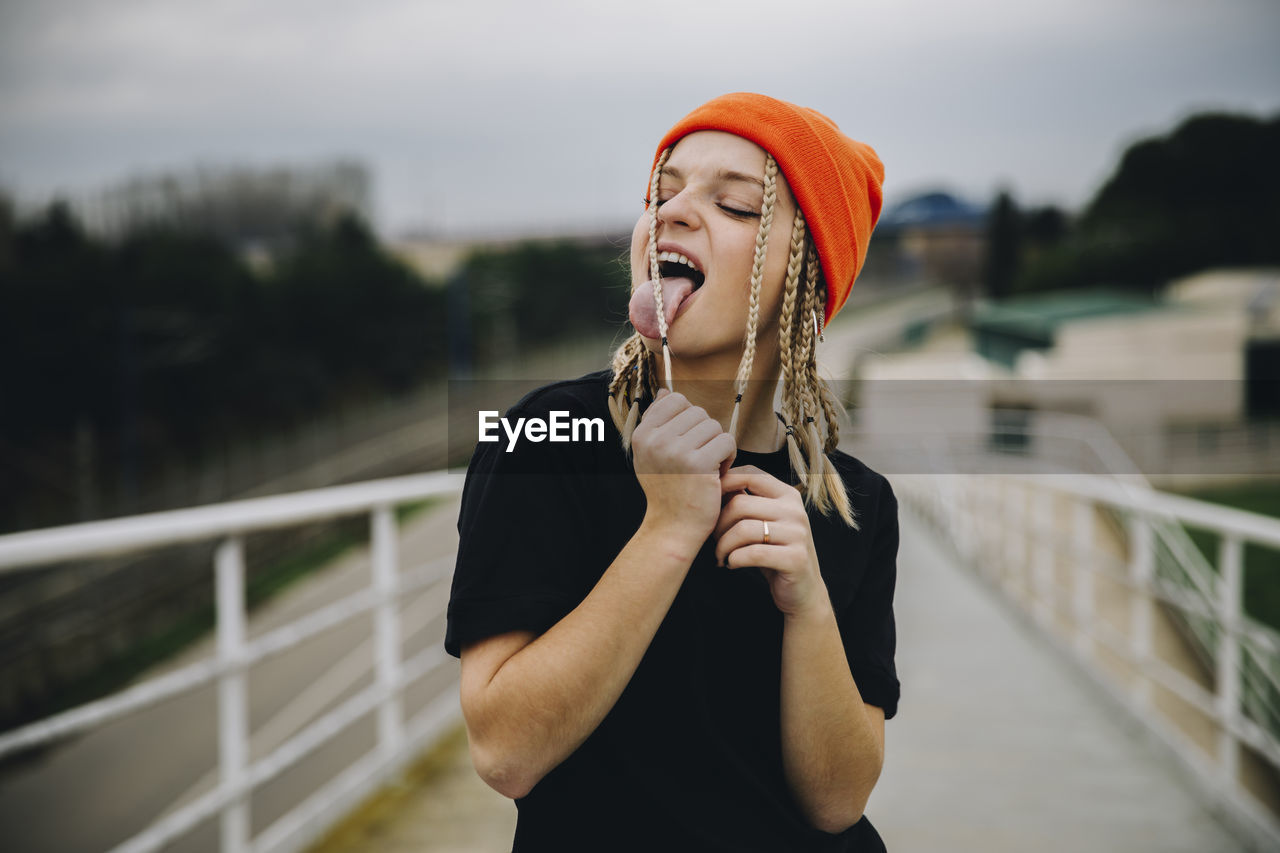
(644,313)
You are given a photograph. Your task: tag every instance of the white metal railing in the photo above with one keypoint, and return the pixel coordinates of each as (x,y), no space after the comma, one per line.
(397,738)
(1041,534)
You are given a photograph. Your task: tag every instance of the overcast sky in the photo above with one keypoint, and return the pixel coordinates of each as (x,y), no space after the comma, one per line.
(487,116)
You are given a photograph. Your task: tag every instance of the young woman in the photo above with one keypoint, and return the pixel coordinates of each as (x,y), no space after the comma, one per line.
(682,637)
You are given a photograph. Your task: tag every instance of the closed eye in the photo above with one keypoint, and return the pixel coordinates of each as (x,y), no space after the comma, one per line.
(729,209)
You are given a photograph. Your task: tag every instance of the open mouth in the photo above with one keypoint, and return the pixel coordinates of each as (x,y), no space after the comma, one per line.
(675,265)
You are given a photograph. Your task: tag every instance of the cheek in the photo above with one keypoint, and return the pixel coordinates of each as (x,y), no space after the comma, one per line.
(639,254)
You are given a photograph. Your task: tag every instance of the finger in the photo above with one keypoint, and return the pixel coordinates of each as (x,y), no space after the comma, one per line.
(685,421)
(742,506)
(717,453)
(663,408)
(727,463)
(759,482)
(751,555)
(700,434)
(748,531)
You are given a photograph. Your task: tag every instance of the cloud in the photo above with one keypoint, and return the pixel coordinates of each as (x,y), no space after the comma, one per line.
(502,113)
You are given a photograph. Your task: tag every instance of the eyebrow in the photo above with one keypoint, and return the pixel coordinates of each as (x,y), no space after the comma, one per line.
(720,175)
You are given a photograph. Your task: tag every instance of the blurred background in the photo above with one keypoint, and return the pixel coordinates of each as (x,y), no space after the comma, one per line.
(245,247)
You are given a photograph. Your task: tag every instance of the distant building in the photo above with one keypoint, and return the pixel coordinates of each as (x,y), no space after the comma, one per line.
(1189,385)
(936,237)
(1004,331)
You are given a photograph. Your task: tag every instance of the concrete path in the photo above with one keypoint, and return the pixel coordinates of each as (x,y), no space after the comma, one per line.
(999,745)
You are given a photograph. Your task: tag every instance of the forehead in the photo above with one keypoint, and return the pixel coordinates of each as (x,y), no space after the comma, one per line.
(726,160)
(715,150)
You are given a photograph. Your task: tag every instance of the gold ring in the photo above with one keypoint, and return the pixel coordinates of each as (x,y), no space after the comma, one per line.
(766,532)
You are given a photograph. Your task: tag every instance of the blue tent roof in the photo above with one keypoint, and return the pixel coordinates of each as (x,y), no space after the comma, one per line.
(932,209)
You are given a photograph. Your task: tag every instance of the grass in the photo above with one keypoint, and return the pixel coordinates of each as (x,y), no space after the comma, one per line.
(1261,565)
(367,825)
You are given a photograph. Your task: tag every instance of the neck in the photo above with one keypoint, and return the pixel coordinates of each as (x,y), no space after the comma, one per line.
(711,386)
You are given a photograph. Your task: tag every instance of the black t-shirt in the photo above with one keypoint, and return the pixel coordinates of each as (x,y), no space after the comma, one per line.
(690,756)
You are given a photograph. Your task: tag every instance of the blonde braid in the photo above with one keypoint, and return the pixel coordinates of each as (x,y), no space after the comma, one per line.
(632,374)
(786,322)
(757,279)
(832,495)
(827,397)
(632,362)
(824,488)
(805,363)
(654,273)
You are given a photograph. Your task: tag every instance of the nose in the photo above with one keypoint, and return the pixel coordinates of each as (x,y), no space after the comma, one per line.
(680,209)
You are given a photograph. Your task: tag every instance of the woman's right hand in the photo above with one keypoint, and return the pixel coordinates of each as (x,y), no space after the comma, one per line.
(680,454)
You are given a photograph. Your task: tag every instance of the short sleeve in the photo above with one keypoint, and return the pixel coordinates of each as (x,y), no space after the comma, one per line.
(518,507)
(867,624)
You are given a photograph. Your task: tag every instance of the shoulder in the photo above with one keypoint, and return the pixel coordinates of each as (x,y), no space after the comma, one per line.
(868,489)
(554,429)
(859,562)
(586,396)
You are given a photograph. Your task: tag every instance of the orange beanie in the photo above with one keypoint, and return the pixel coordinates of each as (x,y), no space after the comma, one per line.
(836,180)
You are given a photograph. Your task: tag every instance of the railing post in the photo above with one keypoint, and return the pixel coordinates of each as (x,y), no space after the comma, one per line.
(1141,601)
(233,704)
(387,629)
(965,517)
(949,508)
(1083,551)
(1042,528)
(991,527)
(1013,537)
(1230,602)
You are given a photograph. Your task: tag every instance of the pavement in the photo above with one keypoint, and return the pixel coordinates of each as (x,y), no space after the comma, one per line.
(1001,744)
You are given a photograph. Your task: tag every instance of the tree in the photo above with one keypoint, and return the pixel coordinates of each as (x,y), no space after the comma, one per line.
(1205,195)
(1004,246)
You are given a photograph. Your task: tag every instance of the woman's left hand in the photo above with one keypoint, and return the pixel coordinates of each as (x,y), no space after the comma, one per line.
(788,560)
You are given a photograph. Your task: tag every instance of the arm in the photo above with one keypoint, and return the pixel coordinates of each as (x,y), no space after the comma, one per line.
(832,742)
(529,701)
